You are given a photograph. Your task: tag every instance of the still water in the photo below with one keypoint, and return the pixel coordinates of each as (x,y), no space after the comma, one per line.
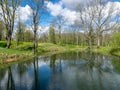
(66,71)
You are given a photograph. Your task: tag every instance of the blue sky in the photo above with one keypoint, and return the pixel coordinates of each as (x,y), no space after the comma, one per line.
(68,11)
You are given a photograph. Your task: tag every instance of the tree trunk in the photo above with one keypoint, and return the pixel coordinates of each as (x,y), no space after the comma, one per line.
(90,43)
(99,40)
(35,46)
(9,41)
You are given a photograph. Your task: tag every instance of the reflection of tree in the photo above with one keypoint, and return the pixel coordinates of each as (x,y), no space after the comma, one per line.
(2,73)
(21,69)
(52,62)
(10,83)
(36,72)
(92,71)
(116,64)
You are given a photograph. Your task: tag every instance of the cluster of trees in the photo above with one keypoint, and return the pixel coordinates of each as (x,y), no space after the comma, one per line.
(94,25)
(8,15)
(99,22)
(79,38)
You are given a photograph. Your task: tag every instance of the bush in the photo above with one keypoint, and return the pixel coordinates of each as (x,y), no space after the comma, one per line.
(25,46)
(3,44)
(114,50)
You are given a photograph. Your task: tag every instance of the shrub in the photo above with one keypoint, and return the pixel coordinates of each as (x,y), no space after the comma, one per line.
(3,44)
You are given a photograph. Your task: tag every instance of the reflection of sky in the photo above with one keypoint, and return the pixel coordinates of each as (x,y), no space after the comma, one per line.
(65,75)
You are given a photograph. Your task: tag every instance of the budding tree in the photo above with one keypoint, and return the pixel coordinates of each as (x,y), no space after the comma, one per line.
(9,8)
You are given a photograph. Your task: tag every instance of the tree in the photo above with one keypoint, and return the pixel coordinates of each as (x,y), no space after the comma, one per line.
(116,39)
(28,36)
(52,35)
(87,23)
(97,17)
(58,22)
(104,18)
(37,7)
(1,30)
(9,8)
(20,32)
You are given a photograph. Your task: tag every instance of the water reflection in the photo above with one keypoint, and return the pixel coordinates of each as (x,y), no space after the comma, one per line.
(66,71)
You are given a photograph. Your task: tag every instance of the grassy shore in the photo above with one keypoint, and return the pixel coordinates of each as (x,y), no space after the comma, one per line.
(107,51)
(11,55)
(24,50)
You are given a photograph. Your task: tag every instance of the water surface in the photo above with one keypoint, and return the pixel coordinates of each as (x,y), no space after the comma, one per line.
(67,71)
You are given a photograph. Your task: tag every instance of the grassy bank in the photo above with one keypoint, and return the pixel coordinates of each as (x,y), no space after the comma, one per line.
(107,51)
(11,55)
(24,50)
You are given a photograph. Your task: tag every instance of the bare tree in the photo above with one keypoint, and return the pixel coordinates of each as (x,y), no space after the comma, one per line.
(1,30)
(20,32)
(87,22)
(105,19)
(37,12)
(59,22)
(9,8)
(97,17)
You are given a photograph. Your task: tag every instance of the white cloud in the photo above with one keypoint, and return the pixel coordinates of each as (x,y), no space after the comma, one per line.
(24,12)
(57,10)
(72,4)
(69,16)
(67,9)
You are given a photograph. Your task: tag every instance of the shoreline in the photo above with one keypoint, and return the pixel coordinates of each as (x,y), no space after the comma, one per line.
(46,49)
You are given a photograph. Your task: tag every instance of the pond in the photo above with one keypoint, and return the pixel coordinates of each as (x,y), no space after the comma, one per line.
(65,71)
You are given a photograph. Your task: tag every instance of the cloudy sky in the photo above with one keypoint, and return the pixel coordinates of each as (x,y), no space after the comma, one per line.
(64,8)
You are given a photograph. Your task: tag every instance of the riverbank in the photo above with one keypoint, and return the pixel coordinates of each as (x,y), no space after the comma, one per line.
(11,55)
(107,51)
(24,51)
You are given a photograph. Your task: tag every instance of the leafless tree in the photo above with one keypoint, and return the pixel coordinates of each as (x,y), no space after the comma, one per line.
(106,18)
(96,17)
(9,8)
(38,8)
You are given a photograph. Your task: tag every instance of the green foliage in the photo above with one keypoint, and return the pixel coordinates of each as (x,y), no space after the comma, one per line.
(115,51)
(49,47)
(28,36)
(52,35)
(3,44)
(20,32)
(116,64)
(23,46)
(116,40)
(1,30)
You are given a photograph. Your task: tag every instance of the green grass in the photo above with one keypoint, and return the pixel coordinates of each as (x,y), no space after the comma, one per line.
(107,50)
(48,47)
(24,50)
(7,55)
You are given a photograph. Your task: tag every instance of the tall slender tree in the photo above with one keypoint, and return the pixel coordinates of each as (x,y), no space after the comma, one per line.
(9,8)
(37,7)
(52,35)
(1,30)
(97,17)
